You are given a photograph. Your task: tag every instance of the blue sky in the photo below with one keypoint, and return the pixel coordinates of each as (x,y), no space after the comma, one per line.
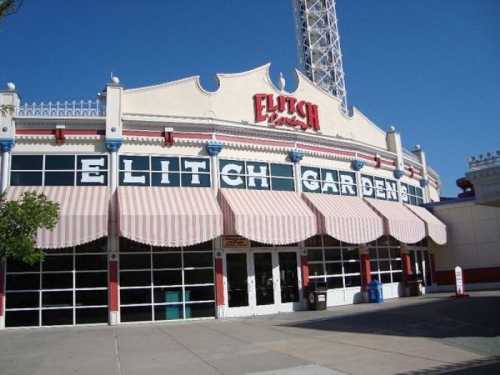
(431,68)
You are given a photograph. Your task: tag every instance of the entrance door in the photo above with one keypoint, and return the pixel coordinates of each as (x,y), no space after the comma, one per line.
(262,282)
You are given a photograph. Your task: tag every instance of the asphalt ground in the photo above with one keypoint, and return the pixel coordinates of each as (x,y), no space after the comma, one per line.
(434,334)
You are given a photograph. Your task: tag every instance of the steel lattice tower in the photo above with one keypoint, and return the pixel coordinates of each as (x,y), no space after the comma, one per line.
(318,45)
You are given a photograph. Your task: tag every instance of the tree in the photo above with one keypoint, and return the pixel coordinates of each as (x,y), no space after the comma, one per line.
(19,222)
(9,7)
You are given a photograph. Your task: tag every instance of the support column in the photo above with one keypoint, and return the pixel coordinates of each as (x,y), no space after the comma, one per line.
(5,147)
(433,268)
(366,276)
(407,272)
(304,267)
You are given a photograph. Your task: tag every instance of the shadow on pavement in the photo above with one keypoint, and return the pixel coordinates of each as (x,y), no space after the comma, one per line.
(489,365)
(441,318)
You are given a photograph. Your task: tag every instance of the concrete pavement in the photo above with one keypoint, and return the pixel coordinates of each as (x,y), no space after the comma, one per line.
(423,335)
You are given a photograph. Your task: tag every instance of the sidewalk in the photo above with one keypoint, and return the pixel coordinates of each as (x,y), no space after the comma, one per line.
(432,334)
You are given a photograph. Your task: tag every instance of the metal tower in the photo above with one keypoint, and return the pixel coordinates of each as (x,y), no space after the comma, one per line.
(318,45)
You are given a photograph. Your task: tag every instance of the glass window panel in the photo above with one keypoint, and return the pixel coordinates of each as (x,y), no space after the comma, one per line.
(23,282)
(26,178)
(333,254)
(235,182)
(411,190)
(204,246)
(91,279)
(327,174)
(330,241)
(397,277)
(315,255)
(282,170)
(195,180)
(237,279)
(57,280)
(374,266)
(91,262)
(14,266)
(142,179)
(413,200)
(396,265)
(200,310)
(101,181)
(57,299)
(198,276)
(368,187)
(334,282)
(135,278)
(197,293)
(91,297)
(168,295)
(352,281)
(240,164)
(135,261)
(129,245)
(156,163)
(316,269)
(351,254)
(314,241)
(198,259)
(384,265)
(168,260)
(383,253)
(375,276)
(282,184)
(385,278)
(98,246)
(334,268)
(59,178)
(135,313)
(167,277)
(89,316)
(204,164)
(22,300)
(158,179)
(310,179)
(57,263)
(135,296)
(351,267)
(60,162)
(26,318)
(57,317)
(169,312)
(26,162)
(101,162)
(395,253)
(138,163)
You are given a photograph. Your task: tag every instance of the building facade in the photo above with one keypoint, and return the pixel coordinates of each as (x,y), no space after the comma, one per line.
(179,203)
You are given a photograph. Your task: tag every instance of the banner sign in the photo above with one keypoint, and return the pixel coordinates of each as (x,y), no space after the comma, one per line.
(459,281)
(286,111)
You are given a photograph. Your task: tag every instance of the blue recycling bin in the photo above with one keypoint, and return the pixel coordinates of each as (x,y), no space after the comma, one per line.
(375,292)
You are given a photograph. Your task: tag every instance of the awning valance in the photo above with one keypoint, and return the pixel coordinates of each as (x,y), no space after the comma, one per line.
(348,219)
(83,214)
(170,217)
(271,217)
(436,229)
(400,222)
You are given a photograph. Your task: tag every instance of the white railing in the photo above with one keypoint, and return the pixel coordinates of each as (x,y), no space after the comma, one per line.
(484,161)
(74,108)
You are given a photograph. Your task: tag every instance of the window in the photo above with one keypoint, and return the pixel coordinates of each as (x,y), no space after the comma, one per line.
(332,261)
(59,170)
(238,174)
(412,194)
(385,260)
(68,287)
(379,188)
(328,181)
(164,283)
(164,171)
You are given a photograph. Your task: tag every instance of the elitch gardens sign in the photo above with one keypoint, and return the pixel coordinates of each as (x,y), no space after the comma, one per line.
(286,110)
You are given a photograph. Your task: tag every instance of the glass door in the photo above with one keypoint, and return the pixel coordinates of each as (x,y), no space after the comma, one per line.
(289,280)
(237,285)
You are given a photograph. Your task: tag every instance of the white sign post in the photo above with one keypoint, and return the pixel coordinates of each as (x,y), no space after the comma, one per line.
(459,282)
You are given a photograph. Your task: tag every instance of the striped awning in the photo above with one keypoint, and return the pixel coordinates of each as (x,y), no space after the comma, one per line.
(170,217)
(348,219)
(83,214)
(436,229)
(270,217)
(400,222)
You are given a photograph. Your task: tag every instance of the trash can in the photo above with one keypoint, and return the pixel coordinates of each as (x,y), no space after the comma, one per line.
(316,295)
(375,292)
(415,288)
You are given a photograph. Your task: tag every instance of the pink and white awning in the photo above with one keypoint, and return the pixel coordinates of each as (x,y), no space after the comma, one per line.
(400,222)
(347,219)
(270,217)
(168,217)
(83,214)
(436,229)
